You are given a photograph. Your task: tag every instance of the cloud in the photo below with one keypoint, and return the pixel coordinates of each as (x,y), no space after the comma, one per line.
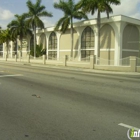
(136,15)
(47,22)
(5,14)
(127,7)
(55,0)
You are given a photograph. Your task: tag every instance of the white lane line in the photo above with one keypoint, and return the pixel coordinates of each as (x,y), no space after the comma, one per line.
(16,75)
(128,126)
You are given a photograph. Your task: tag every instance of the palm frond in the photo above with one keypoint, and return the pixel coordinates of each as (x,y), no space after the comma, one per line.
(80,15)
(65,25)
(38,22)
(60,22)
(45,13)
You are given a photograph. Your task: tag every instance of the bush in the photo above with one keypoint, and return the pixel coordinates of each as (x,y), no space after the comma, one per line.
(39,50)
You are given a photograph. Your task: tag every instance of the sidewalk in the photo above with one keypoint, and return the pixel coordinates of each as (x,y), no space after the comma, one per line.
(70,68)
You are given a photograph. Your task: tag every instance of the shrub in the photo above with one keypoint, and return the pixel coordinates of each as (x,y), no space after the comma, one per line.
(39,50)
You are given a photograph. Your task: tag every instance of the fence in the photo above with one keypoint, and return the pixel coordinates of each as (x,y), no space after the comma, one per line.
(124,61)
(1,54)
(107,62)
(101,61)
(129,64)
(138,61)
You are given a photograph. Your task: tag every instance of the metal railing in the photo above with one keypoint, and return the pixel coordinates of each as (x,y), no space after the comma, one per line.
(87,59)
(124,61)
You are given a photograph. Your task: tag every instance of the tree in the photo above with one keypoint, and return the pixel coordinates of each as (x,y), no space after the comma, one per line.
(19,28)
(70,12)
(33,17)
(6,37)
(91,6)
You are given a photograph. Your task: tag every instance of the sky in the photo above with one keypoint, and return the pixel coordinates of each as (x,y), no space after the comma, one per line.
(8,8)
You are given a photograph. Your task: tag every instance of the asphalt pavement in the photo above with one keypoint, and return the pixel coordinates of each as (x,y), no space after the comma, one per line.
(50,103)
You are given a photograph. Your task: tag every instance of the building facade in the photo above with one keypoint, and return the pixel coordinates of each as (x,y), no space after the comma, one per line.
(119,38)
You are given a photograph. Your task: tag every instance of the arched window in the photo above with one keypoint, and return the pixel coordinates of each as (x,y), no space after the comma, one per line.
(87,43)
(130,41)
(52,49)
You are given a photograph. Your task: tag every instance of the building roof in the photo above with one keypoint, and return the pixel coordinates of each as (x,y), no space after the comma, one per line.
(104,20)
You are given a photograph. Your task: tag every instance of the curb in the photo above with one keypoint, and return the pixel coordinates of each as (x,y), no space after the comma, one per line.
(72,68)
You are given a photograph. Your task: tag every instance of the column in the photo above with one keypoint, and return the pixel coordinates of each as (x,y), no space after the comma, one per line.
(11,44)
(96,42)
(133,63)
(118,41)
(47,43)
(58,34)
(37,39)
(79,32)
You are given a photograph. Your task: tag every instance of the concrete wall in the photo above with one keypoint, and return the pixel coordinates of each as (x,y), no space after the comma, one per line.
(65,41)
(87,64)
(107,37)
(78,64)
(108,55)
(107,42)
(138,69)
(63,53)
(113,68)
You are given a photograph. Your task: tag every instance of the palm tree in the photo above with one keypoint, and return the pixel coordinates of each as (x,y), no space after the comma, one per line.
(6,37)
(19,28)
(33,17)
(70,12)
(91,6)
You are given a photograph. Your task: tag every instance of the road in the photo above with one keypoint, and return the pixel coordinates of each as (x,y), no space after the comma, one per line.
(38,103)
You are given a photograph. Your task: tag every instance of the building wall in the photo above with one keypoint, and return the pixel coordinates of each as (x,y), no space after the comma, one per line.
(107,55)
(107,42)
(107,37)
(65,43)
(63,53)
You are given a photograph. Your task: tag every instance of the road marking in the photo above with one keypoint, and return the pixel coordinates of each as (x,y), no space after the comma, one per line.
(128,126)
(16,75)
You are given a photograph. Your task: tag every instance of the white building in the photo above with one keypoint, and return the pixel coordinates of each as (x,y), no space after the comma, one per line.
(120,38)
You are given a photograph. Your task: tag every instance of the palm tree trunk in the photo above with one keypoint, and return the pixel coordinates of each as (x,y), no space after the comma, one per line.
(71,37)
(15,46)
(34,41)
(21,47)
(98,30)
